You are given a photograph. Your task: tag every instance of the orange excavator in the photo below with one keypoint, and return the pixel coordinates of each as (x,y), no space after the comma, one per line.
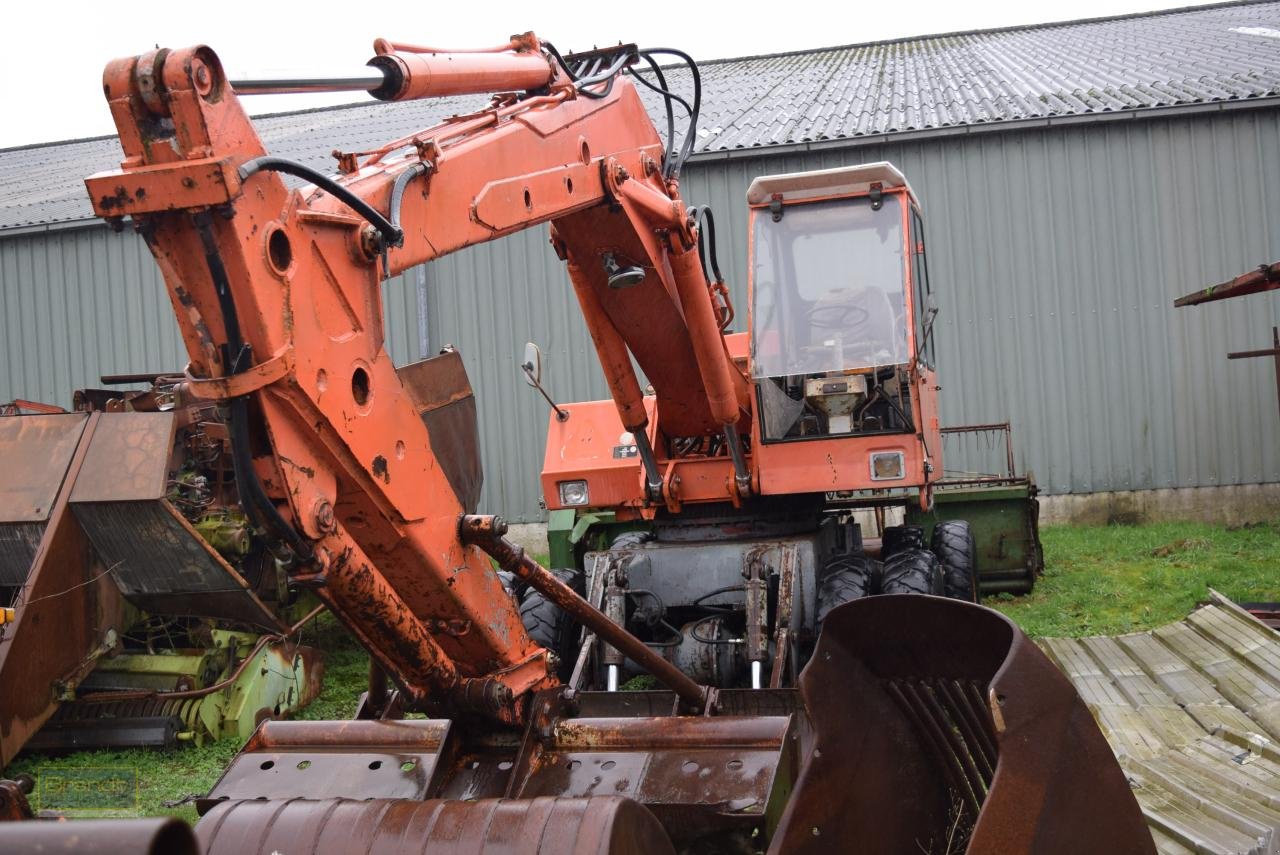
(910,723)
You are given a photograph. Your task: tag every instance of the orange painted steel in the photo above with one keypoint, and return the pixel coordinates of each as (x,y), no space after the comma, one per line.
(579,448)
(419,72)
(277,294)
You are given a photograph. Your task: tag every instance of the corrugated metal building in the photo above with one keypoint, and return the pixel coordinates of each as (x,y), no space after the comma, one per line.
(1075,177)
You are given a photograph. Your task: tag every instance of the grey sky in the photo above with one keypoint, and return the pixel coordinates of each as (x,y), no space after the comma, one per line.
(52,56)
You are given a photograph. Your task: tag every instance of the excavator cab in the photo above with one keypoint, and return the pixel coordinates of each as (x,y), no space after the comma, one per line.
(840,322)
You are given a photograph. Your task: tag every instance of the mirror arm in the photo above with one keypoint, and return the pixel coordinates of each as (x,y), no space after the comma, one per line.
(561,415)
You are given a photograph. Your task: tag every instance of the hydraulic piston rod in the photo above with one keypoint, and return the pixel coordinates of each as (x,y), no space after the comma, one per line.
(487,533)
(364,80)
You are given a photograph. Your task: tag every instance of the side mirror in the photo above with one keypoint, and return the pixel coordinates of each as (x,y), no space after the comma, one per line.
(532,368)
(930,312)
(532,365)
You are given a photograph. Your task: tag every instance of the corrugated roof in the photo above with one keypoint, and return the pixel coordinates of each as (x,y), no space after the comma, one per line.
(1192,711)
(1176,58)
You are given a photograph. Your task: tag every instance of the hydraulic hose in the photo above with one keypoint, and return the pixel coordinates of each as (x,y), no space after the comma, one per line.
(391,233)
(237,356)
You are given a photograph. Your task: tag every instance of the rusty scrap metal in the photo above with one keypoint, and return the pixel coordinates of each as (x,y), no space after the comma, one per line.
(159,836)
(1265,278)
(13,798)
(922,744)
(487,533)
(1273,352)
(18,405)
(67,611)
(600,825)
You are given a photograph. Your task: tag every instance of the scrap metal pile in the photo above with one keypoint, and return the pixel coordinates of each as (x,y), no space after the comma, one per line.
(141,607)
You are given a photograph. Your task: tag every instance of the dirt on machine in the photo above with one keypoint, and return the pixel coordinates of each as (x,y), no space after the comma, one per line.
(140,608)
(808,688)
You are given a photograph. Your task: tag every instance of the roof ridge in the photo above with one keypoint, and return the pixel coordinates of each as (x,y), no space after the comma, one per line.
(1046,25)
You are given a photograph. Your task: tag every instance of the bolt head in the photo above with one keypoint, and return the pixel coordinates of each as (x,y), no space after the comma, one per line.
(201,77)
(323,516)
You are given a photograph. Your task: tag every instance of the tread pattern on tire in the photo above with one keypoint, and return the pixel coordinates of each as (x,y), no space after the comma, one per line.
(545,622)
(954,545)
(846,577)
(912,571)
(896,538)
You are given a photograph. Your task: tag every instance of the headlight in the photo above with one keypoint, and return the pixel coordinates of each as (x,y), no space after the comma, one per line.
(887,466)
(572,492)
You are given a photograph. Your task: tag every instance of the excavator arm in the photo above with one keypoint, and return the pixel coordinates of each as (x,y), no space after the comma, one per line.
(277,290)
(361,478)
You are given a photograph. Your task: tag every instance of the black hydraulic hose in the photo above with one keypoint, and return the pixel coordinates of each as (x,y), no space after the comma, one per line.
(237,356)
(397,194)
(660,86)
(391,234)
(551,49)
(686,147)
(701,214)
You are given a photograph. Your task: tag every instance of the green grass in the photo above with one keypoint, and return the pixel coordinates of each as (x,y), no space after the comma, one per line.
(167,777)
(1098,580)
(1106,580)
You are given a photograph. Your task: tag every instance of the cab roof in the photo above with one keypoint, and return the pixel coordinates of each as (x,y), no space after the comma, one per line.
(841,181)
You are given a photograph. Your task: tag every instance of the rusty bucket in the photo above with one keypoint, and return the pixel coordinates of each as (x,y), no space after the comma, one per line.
(939,727)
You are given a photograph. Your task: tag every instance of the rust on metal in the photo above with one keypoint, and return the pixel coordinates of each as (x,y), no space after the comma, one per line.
(36,451)
(441,392)
(18,405)
(326,760)
(1265,278)
(487,533)
(262,374)
(13,799)
(700,775)
(68,612)
(601,825)
(922,744)
(158,836)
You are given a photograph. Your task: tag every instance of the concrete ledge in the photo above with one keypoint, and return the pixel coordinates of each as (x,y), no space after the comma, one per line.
(532,536)
(1231,505)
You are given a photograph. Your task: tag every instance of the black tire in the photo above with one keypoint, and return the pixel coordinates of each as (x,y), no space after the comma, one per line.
(515,587)
(548,625)
(896,538)
(912,571)
(957,550)
(845,578)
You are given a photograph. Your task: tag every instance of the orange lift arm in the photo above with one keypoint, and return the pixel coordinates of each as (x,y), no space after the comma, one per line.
(277,291)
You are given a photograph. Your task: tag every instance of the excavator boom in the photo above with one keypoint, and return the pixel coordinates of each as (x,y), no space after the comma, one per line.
(365,477)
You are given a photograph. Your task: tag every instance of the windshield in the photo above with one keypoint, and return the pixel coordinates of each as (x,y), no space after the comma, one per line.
(828,287)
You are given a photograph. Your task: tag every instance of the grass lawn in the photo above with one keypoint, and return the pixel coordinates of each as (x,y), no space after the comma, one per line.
(1107,580)
(1098,580)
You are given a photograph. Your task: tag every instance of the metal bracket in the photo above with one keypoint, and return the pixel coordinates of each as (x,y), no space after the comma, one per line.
(251,380)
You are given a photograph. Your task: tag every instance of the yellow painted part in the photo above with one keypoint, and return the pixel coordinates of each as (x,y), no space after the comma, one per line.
(8,616)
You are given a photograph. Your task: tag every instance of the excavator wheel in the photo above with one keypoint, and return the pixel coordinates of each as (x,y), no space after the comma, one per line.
(599,825)
(547,624)
(847,578)
(956,549)
(896,538)
(912,571)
